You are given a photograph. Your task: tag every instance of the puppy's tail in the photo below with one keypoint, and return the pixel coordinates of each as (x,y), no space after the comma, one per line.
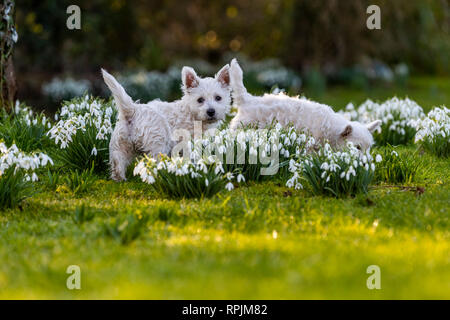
(123,100)
(237,83)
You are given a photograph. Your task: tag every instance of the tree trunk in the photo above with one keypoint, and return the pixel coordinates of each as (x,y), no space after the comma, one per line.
(10,78)
(8,85)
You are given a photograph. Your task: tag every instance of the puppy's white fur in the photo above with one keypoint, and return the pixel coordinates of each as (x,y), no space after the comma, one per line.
(148,128)
(319,119)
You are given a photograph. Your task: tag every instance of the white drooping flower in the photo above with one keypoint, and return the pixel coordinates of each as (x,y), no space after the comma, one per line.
(229,186)
(240,178)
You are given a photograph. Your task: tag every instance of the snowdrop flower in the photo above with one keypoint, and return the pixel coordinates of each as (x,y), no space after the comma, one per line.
(290,183)
(229,186)
(378,158)
(324,166)
(229,176)
(347,176)
(334,167)
(45,159)
(219,169)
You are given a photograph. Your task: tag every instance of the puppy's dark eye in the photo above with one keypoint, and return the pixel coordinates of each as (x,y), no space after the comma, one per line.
(358,147)
(218,98)
(201,100)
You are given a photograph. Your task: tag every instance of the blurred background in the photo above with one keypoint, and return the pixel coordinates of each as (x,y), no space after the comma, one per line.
(319,48)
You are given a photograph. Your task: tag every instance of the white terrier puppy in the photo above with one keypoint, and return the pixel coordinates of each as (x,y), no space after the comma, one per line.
(148,128)
(318,119)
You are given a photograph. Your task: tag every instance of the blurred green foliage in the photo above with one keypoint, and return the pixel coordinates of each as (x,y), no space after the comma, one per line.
(122,33)
(321,40)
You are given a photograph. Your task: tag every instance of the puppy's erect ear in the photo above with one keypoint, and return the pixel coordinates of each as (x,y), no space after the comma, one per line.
(373,125)
(347,131)
(189,78)
(234,64)
(223,76)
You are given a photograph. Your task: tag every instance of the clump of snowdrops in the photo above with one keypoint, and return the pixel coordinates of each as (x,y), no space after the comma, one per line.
(180,177)
(397,116)
(82,133)
(24,128)
(331,172)
(17,173)
(255,153)
(433,132)
(221,158)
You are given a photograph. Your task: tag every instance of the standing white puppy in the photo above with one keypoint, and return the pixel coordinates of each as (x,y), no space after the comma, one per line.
(319,119)
(147,128)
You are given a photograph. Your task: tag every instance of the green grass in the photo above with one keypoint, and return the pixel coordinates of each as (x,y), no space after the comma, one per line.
(262,240)
(224,247)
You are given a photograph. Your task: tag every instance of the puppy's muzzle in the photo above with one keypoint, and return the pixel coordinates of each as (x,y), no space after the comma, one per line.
(211,115)
(211,112)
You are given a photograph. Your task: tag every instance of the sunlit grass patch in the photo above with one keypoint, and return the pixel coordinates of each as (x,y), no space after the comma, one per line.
(126,229)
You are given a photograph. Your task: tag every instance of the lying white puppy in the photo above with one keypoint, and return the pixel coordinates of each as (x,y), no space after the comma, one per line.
(318,119)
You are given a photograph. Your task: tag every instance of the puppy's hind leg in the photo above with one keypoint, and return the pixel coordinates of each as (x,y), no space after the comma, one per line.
(119,162)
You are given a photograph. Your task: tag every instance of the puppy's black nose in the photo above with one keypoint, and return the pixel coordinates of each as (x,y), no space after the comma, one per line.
(210,112)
